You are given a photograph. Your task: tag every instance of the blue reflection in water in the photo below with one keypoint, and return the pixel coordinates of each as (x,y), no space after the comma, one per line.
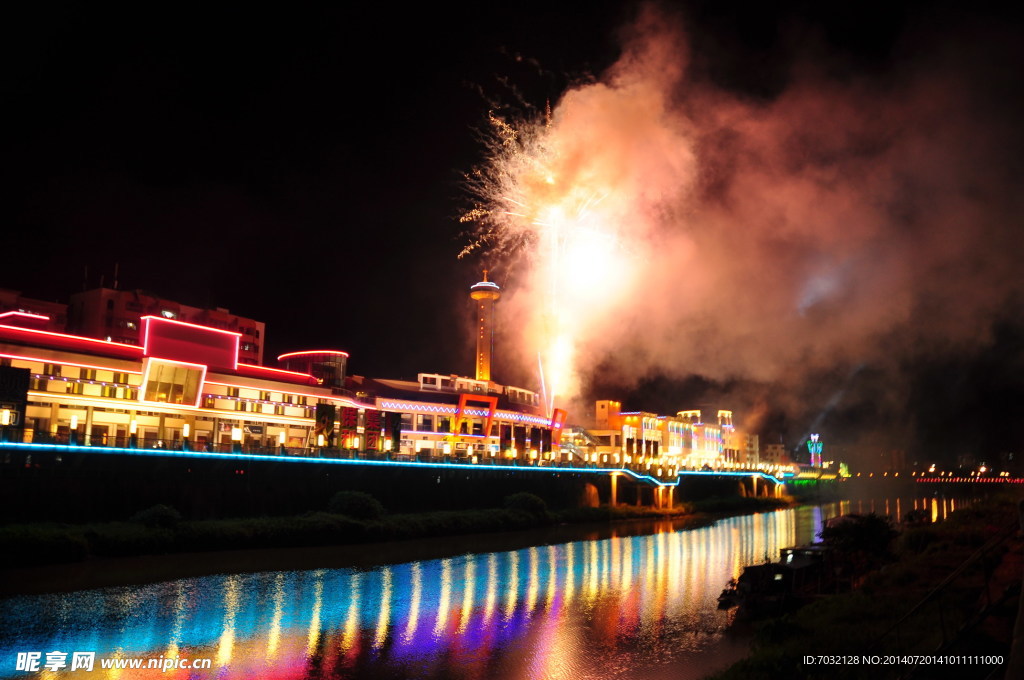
(602,608)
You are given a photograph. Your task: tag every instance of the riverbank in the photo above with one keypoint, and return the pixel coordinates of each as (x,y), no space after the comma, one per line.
(968,564)
(48,557)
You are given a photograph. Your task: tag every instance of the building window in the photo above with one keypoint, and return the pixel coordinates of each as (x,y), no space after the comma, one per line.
(232,391)
(52,369)
(172,383)
(425,423)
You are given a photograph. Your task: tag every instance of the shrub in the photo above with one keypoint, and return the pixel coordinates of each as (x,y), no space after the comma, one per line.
(41,544)
(526,502)
(917,540)
(119,539)
(158,517)
(356,504)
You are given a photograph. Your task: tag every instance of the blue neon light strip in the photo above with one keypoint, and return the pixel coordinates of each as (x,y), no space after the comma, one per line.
(382,463)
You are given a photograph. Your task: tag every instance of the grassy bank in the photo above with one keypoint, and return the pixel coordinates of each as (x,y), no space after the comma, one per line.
(163,532)
(860,622)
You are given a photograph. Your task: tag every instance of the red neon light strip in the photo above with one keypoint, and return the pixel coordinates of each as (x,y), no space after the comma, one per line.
(145,343)
(29,315)
(347,402)
(254,367)
(69,363)
(312,351)
(65,336)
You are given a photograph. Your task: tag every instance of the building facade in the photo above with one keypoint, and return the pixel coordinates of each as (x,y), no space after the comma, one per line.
(674,443)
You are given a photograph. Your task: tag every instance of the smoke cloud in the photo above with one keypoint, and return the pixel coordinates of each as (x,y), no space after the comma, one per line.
(849,221)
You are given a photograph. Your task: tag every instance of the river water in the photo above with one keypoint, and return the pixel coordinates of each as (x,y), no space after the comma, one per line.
(642,607)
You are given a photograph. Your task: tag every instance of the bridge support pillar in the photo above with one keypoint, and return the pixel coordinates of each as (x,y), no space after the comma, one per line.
(671,495)
(615,484)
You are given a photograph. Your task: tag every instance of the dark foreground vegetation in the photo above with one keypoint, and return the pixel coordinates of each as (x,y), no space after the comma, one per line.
(351,517)
(949,589)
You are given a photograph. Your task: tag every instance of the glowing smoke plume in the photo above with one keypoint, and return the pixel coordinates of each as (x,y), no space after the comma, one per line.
(659,223)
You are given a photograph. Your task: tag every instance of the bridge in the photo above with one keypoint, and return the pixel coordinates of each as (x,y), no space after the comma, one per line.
(54,469)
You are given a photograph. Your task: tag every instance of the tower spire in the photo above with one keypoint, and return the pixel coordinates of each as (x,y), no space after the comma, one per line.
(484,294)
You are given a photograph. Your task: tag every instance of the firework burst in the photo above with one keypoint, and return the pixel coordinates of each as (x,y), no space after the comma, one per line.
(538,205)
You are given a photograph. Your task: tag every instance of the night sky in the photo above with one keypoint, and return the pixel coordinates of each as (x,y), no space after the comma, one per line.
(304,168)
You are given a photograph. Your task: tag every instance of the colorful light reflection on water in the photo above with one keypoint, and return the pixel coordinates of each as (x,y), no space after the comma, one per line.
(626,606)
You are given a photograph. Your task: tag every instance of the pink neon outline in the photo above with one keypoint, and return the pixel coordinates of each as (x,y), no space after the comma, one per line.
(313,351)
(275,370)
(145,380)
(107,401)
(145,343)
(70,337)
(347,402)
(69,363)
(28,314)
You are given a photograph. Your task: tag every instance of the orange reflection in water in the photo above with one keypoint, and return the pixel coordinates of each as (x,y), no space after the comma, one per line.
(601,608)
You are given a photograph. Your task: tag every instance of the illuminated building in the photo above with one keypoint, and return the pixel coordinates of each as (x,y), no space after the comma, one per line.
(115,315)
(680,442)
(814,448)
(459,417)
(484,294)
(186,386)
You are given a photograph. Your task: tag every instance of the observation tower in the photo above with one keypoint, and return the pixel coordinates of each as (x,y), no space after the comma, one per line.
(484,294)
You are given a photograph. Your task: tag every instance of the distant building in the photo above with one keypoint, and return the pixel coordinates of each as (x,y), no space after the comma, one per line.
(114,315)
(775,454)
(12,301)
(682,441)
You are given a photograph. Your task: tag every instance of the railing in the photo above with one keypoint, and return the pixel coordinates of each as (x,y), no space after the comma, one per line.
(935,608)
(568,458)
